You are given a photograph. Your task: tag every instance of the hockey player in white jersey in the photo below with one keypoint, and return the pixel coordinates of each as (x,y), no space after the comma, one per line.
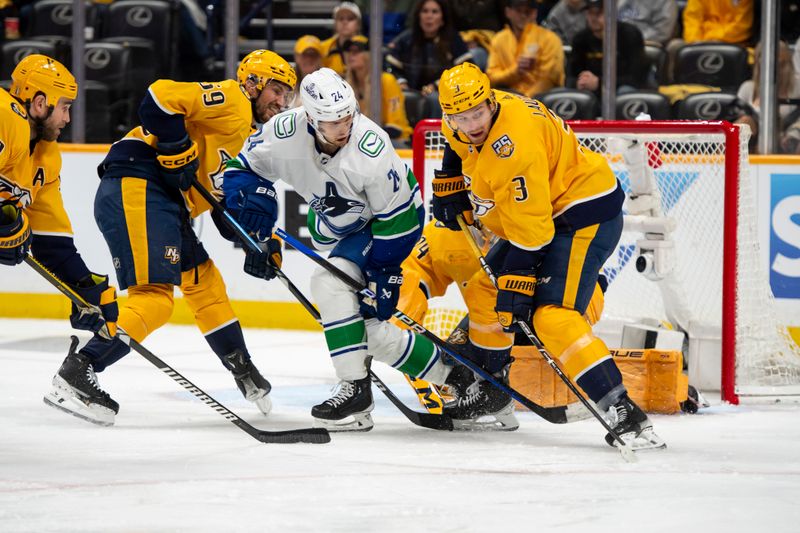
(364,206)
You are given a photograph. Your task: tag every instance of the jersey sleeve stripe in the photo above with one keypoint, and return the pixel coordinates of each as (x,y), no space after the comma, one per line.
(159,104)
(399,225)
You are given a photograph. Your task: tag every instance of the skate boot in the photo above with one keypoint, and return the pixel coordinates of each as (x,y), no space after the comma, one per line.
(458,381)
(348,409)
(254,387)
(76,390)
(633,426)
(482,406)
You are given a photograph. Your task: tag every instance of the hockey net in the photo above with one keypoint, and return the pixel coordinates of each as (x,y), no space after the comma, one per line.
(702,233)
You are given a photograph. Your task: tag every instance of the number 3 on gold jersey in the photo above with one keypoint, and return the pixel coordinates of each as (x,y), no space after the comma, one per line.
(521,188)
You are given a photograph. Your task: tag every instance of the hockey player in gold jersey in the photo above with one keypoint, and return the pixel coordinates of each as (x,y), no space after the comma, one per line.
(145,203)
(32,215)
(519,169)
(441,258)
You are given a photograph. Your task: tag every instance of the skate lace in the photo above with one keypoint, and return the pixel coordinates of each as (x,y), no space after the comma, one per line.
(472,396)
(92,378)
(346,390)
(618,414)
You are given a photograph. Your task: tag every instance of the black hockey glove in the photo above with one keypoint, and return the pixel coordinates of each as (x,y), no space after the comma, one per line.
(385,282)
(179,162)
(450,199)
(15,235)
(257,209)
(264,264)
(515,299)
(95,289)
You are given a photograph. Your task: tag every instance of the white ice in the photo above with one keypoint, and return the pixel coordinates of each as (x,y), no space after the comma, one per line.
(170,463)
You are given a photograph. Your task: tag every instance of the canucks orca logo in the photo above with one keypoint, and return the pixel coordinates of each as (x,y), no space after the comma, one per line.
(13,193)
(332,205)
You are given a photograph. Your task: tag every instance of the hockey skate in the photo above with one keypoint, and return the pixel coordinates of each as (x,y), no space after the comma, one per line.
(633,426)
(77,392)
(479,405)
(348,409)
(254,387)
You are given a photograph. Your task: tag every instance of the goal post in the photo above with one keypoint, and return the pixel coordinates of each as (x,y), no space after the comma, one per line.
(689,257)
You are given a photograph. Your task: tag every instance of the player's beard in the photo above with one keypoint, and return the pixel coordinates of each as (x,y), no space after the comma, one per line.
(266,111)
(51,130)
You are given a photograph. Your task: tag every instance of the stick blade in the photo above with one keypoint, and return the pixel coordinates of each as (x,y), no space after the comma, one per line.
(293,436)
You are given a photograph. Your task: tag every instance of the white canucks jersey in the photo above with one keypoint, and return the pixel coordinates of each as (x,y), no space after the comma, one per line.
(363,182)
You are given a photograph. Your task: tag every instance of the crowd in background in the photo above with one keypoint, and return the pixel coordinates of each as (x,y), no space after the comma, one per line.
(547,49)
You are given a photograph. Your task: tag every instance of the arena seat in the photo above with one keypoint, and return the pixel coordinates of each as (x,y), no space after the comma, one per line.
(109,63)
(98,114)
(14,51)
(415,106)
(54,17)
(720,65)
(655,104)
(705,106)
(571,104)
(657,59)
(153,20)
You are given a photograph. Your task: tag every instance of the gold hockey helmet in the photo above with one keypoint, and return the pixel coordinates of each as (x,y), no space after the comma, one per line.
(37,73)
(260,66)
(463,87)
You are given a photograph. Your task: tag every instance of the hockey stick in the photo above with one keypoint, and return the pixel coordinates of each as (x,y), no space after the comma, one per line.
(555,415)
(309,435)
(427,420)
(626,451)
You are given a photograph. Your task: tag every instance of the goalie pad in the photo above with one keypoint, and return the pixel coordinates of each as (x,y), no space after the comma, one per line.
(654,379)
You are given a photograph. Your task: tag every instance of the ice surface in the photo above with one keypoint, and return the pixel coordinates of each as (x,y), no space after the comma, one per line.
(172,464)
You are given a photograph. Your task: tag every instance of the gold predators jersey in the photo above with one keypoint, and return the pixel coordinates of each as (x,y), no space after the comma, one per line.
(31,180)
(217,116)
(532,177)
(440,257)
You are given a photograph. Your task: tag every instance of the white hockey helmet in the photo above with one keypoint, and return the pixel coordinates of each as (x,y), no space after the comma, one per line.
(327,97)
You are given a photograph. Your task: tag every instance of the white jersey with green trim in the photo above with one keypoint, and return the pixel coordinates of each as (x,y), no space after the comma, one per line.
(363,181)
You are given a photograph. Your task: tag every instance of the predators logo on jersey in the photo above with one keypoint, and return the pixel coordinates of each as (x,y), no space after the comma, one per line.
(503,147)
(18,110)
(13,193)
(481,205)
(172,254)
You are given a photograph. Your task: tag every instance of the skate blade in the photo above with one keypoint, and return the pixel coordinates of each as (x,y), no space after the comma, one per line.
(503,420)
(646,440)
(264,404)
(69,404)
(353,423)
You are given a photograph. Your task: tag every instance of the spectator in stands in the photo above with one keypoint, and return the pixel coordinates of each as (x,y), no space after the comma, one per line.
(566,19)
(656,19)
(788,87)
(729,21)
(346,25)
(307,59)
(586,60)
(524,57)
(419,55)
(477,21)
(393,111)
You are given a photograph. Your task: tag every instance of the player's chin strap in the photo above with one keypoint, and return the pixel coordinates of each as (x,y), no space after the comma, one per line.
(310,435)
(625,449)
(428,420)
(555,415)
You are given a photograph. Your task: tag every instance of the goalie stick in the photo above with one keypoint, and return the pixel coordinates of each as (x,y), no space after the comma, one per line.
(426,420)
(555,415)
(625,449)
(308,435)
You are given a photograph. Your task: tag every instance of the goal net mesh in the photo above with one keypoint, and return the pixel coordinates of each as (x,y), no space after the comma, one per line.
(689,170)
